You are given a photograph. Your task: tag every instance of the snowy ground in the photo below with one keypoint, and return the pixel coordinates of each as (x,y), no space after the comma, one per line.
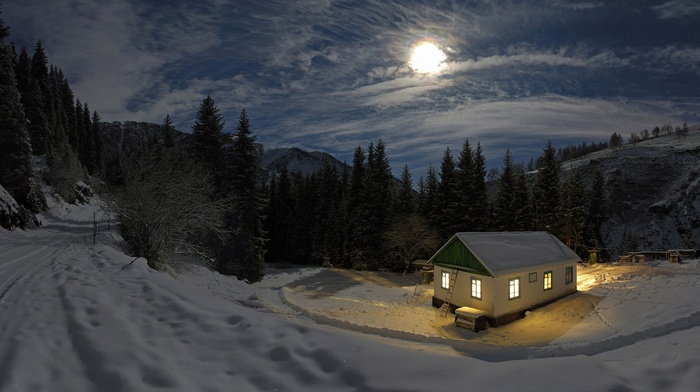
(78,317)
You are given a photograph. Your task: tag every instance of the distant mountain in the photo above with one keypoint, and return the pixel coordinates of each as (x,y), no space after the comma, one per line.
(654,191)
(129,136)
(297,160)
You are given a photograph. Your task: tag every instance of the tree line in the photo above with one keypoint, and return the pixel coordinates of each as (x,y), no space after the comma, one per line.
(40,116)
(360,217)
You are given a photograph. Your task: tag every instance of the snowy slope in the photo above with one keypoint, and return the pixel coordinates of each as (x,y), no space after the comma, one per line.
(654,191)
(9,210)
(79,317)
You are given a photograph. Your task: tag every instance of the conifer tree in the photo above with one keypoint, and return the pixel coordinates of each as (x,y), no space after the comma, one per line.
(354,200)
(298,247)
(465,185)
(448,217)
(429,195)
(243,254)
(522,206)
(373,215)
(479,201)
(405,197)
(327,200)
(597,209)
(16,171)
(168,132)
(23,74)
(574,209)
(97,157)
(547,193)
(68,100)
(503,205)
(209,139)
(278,218)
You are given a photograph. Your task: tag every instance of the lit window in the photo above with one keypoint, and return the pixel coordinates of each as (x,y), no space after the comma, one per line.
(514,288)
(547,278)
(533,277)
(569,274)
(445,280)
(476,288)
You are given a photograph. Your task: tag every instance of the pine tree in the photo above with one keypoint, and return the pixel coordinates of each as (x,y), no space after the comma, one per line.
(68,100)
(86,151)
(547,193)
(503,203)
(278,217)
(209,139)
(16,169)
(23,74)
(243,254)
(429,195)
(479,202)
(448,217)
(465,185)
(597,207)
(522,206)
(168,133)
(405,196)
(372,216)
(97,157)
(574,209)
(326,204)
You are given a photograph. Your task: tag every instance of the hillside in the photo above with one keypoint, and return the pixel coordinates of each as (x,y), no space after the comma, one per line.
(654,191)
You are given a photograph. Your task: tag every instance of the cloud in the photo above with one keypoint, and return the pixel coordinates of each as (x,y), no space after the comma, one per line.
(677,9)
(603,59)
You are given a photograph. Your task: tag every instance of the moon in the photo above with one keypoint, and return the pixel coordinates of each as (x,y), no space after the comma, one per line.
(427,58)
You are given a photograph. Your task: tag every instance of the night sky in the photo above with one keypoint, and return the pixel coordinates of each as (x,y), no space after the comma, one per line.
(331,75)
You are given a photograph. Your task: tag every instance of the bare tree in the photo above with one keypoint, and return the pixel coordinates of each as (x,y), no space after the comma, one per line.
(411,237)
(165,209)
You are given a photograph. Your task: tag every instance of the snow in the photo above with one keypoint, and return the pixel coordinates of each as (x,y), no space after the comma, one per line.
(82,317)
(8,205)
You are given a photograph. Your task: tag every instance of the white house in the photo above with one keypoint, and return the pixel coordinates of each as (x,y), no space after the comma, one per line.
(503,274)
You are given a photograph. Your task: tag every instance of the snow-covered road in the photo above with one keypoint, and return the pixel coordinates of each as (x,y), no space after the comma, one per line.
(78,317)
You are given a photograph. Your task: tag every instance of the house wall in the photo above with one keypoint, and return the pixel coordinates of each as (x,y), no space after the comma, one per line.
(495,301)
(462,292)
(531,294)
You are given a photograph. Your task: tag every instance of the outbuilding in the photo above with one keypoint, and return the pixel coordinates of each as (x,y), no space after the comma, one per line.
(502,274)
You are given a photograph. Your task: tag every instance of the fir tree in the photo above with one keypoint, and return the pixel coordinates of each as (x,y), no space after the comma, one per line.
(597,207)
(372,215)
(16,171)
(522,207)
(243,254)
(503,205)
(574,209)
(168,133)
(479,201)
(547,193)
(23,73)
(429,195)
(465,185)
(405,196)
(97,157)
(326,205)
(68,100)
(278,217)
(208,139)
(447,217)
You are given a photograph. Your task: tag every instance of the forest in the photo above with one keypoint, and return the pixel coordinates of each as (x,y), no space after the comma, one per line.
(204,193)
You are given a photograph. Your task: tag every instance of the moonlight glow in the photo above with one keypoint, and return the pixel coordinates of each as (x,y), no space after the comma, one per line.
(426,57)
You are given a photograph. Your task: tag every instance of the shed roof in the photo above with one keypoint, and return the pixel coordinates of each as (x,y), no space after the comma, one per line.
(507,252)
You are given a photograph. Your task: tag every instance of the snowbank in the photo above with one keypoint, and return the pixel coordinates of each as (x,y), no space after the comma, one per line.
(80,317)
